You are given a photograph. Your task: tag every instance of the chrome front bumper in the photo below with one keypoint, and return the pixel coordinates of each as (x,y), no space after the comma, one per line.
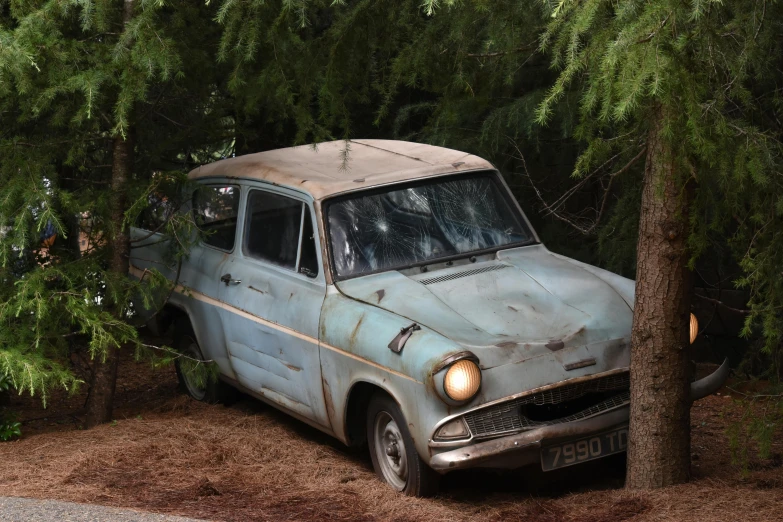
(524,448)
(521,449)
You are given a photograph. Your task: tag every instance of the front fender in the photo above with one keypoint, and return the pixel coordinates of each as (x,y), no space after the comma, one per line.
(354,339)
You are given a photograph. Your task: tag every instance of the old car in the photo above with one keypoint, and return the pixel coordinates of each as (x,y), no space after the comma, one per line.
(395,293)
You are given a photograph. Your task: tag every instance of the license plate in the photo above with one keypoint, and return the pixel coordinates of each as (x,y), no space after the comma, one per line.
(582,450)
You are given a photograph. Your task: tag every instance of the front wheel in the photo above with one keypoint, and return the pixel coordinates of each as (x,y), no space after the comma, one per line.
(394,456)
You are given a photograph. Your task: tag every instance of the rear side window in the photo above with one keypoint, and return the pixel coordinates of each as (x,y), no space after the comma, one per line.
(277,229)
(215,209)
(157,213)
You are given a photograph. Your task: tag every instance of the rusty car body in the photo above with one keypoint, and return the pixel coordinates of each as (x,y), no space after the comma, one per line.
(342,283)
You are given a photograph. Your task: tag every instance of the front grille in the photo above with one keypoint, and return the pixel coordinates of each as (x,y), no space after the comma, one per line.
(552,406)
(458,275)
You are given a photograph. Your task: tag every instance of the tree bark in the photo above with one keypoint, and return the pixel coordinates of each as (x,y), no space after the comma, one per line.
(659,441)
(104,373)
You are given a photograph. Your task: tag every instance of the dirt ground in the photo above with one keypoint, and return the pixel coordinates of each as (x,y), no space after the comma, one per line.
(247,462)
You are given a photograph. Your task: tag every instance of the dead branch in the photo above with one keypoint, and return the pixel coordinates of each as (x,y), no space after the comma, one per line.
(608,188)
(553,208)
(176,354)
(652,35)
(723,305)
(761,23)
(524,48)
(755,396)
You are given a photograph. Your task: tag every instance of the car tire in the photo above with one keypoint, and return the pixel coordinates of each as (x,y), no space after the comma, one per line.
(394,456)
(185,342)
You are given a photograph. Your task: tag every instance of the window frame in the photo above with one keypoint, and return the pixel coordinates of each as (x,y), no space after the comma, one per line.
(307,208)
(237,228)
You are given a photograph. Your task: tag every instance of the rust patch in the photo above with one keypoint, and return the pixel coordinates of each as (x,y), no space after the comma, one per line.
(429,385)
(328,401)
(507,344)
(291,366)
(512,308)
(256,289)
(322,330)
(381,294)
(555,345)
(575,334)
(355,331)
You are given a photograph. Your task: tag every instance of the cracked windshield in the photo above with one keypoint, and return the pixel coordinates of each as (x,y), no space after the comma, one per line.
(421,223)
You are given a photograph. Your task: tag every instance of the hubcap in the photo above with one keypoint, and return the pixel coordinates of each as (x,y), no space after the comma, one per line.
(196,391)
(390,451)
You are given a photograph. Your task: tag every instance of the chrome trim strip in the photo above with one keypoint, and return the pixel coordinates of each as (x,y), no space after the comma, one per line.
(454,358)
(181,289)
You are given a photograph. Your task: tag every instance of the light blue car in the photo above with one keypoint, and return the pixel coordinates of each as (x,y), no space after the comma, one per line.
(394,293)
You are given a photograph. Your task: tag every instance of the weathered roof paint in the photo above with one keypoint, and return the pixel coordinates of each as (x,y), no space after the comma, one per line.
(325,170)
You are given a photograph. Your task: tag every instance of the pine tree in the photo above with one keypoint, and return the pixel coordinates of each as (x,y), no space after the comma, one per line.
(86,85)
(693,84)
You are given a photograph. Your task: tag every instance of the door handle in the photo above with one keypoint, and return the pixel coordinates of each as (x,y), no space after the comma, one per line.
(226,278)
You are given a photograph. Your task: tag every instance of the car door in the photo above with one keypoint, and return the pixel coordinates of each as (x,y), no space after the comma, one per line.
(215,209)
(274,290)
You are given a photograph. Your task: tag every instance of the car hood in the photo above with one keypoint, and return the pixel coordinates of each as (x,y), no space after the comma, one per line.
(526,303)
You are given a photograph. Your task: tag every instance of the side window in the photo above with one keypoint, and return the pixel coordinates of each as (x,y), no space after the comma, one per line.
(275,232)
(272,228)
(215,209)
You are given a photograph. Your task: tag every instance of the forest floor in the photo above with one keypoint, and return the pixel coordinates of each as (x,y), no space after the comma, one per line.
(169,454)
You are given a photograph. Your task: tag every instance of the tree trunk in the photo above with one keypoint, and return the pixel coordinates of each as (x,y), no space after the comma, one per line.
(659,441)
(104,374)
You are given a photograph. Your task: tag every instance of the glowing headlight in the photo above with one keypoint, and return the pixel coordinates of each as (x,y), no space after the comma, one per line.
(462,380)
(694,328)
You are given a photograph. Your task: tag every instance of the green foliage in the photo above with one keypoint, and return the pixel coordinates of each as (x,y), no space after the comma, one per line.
(73,77)
(9,428)
(755,429)
(200,373)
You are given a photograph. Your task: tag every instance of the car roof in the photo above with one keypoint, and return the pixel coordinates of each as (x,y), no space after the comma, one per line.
(335,167)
